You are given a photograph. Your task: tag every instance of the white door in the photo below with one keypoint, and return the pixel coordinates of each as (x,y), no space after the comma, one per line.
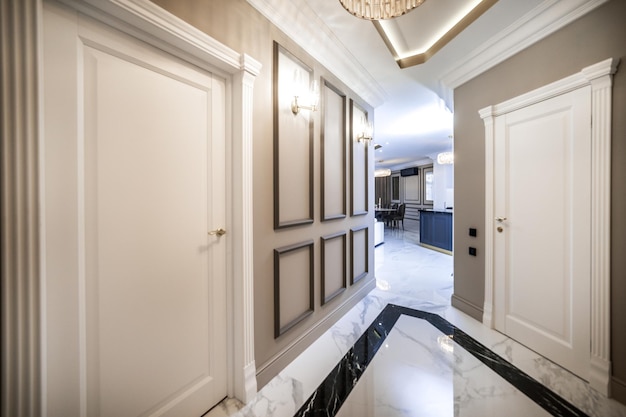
(134,157)
(542,190)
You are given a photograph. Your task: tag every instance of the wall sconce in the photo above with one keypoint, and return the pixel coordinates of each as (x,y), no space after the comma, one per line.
(365,131)
(382,172)
(304,99)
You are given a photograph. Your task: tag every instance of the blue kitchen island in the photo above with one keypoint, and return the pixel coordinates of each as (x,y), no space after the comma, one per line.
(436,229)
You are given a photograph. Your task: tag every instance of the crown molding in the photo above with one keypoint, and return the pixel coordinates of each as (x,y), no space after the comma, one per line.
(411,164)
(583,78)
(543,20)
(147,21)
(298,21)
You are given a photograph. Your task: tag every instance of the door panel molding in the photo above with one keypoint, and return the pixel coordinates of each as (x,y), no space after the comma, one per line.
(599,77)
(153,25)
(542,286)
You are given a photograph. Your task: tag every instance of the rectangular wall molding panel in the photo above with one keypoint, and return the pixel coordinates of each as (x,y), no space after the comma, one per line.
(333,259)
(359,249)
(293,143)
(293,285)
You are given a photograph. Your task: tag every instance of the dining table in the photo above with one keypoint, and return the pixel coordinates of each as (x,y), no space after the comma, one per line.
(381,212)
(384,210)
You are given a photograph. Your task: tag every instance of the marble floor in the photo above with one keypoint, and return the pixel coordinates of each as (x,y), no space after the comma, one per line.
(404,351)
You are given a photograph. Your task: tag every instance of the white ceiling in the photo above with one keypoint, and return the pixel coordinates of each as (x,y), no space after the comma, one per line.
(413,106)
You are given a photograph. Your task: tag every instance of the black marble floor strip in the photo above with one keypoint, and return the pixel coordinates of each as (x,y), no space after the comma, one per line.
(334,390)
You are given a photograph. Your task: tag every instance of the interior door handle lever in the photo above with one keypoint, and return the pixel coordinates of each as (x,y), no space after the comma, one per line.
(218,232)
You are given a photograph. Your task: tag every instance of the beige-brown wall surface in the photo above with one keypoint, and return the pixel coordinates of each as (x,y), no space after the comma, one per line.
(239,26)
(597,36)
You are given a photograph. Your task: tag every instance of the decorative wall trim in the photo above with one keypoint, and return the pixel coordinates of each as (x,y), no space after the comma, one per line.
(324,240)
(326,141)
(489,216)
(296,19)
(22,286)
(599,77)
(300,22)
(282,358)
(243,385)
(406,61)
(359,168)
(153,25)
(543,20)
(288,145)
(156,26)
(406,183)
(356,276)
(306,310)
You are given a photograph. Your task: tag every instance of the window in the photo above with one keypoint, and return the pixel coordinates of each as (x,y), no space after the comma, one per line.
(428,185)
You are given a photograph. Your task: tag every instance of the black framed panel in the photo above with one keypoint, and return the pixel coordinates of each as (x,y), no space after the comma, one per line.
(333,258)
(359,253)
(293,285)
(358,162)
(293,143)
(333,153)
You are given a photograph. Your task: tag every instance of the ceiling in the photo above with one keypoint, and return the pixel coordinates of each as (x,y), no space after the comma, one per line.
(413,117)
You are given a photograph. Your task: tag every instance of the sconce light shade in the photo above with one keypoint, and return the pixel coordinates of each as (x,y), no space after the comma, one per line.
(382,172)
(365,130)
(305,99)
(445,158)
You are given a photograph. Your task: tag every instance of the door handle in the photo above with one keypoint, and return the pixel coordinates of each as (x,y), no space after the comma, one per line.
(500,219)
(218,232)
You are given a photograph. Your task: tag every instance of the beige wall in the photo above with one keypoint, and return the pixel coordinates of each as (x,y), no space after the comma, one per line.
(593,38)
(239,26)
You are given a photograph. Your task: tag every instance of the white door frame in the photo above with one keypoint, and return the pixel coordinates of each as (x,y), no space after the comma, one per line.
(599,77)
(153,25)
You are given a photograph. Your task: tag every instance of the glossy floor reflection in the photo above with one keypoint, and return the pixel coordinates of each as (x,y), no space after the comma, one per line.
(405,268)
(420,371)
(414,373)
(416,362)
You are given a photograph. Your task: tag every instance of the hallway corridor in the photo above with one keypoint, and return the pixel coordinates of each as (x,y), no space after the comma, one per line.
(404,351)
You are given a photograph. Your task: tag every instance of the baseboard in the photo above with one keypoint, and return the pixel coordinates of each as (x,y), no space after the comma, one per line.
(435,248)
(467,307)
(279,361)
(618,390)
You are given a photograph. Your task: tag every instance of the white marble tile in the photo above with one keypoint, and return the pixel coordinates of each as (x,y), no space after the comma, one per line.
(554,377)
(419,371)
(418,278)
(281,397)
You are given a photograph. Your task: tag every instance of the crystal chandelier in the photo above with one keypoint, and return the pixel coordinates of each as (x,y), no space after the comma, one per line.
(379,9)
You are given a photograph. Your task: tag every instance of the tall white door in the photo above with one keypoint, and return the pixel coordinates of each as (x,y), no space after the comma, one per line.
(542,197)
(134,159)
